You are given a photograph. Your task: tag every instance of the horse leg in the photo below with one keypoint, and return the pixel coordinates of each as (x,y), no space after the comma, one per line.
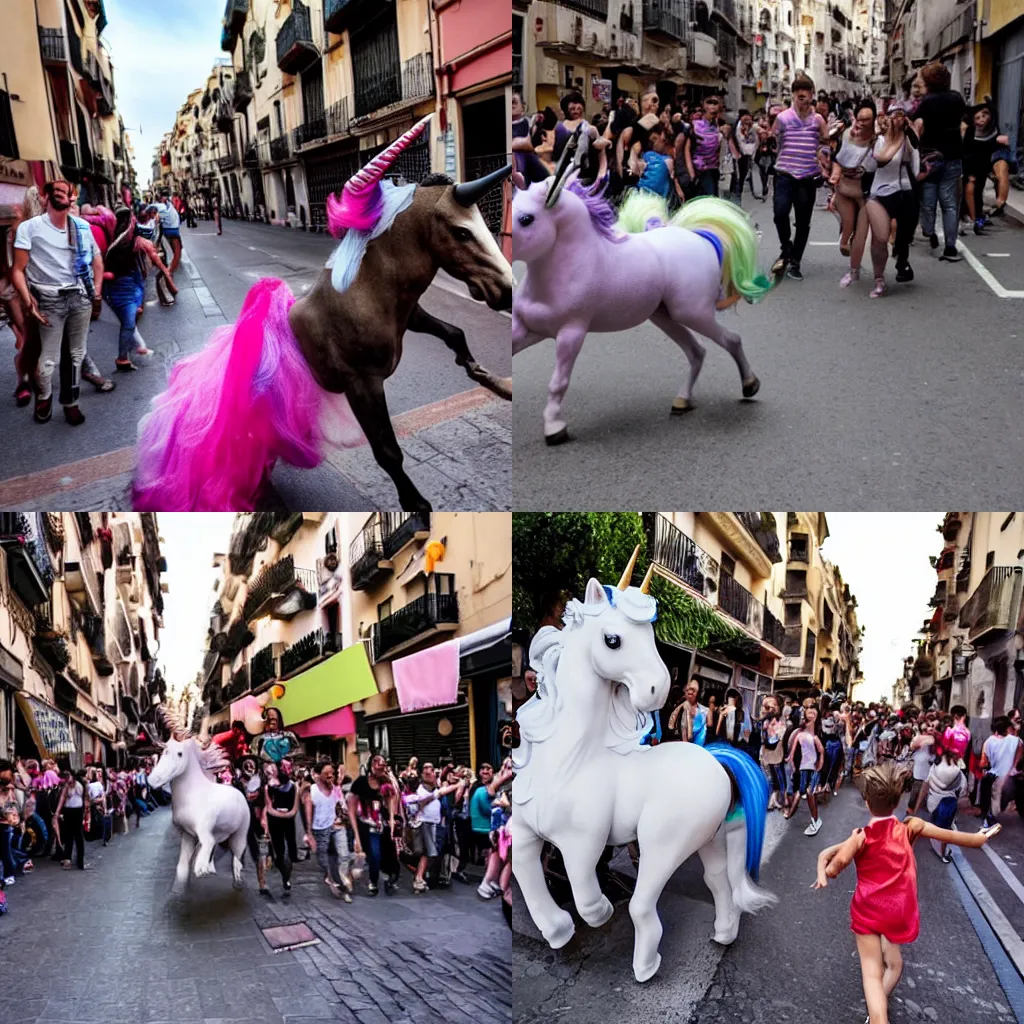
(664,845)
(188,845)
(522,336)
(715,859)
(204,857)
(370,408)
(555,924)
(567,348)
(580,861)
(708,325)
(238,843)
(692,349)
(455,338)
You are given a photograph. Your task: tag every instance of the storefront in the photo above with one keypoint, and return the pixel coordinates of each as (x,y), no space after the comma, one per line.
(47,731)
(485,665)
(715,677)
(11,682)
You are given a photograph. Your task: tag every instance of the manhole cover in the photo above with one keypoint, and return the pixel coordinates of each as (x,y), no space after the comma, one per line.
(289,936)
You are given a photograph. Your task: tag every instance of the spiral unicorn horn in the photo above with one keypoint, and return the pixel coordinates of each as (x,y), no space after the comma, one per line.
(361,196)
(627,573)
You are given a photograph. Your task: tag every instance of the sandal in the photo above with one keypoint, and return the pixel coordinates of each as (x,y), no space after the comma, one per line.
(101,384)
(22,394)
(880,288)
(848,278)
(126,367)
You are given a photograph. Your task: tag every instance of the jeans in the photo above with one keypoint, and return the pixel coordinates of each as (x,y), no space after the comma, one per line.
(332,852)
(795,194)
(945,191)
(739,178)
(68,314)
(124,295)
(108,827)
(777,777)
(707,181)
(370,842)
(833,759)
(12,858)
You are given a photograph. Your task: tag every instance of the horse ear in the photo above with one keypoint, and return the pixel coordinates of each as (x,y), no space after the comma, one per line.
(595,593)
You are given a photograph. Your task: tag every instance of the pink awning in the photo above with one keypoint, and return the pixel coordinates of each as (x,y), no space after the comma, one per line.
(340,722)
(428,679)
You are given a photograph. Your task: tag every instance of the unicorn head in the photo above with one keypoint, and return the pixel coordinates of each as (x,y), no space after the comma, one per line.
(173,762)
(579,213)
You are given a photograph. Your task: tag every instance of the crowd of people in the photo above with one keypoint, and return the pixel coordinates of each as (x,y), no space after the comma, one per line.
(62,261)
(429,821)
(808,749)
(886,165)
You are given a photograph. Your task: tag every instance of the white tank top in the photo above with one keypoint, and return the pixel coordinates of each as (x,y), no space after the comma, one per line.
(324,806)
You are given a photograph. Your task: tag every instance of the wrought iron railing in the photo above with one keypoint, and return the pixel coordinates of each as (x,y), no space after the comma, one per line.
(365,553)
(312,130)
(262,668)
(51,40)
(669,546)
(773,630)
(250,158)
(338,115)
(398,528)
(991,606)
(419,616)
(666,17)
(242,94)
(762,527)
(239,682)
(418,77)
(296,31)
(228,161)
(594,8)
(276,578)
(305,650)
(279,148)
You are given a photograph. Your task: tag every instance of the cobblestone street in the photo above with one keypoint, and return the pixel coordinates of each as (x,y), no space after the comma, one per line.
(118,949)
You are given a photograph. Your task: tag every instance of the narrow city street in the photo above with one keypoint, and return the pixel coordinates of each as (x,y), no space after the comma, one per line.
(456,437)
(792,960)
(860,399)
(112,946)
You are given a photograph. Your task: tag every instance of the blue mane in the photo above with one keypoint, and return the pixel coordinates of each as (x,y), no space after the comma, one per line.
(602,213)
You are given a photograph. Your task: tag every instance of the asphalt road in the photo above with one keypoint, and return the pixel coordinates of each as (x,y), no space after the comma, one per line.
(135,955)
(213,281)
(873,404)
(793,963)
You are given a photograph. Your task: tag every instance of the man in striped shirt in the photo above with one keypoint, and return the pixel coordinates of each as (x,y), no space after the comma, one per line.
(800,130)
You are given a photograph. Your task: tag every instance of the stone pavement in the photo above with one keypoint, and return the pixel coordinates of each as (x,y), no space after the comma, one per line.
(111,946)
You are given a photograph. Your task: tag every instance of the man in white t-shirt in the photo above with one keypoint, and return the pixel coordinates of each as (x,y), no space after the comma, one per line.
(170,226)
(52,256)
(999,756)
(425,810)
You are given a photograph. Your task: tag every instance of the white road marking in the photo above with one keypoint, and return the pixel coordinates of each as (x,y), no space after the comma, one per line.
(1005,932)
(996,255)
(1008,876)
(985,274)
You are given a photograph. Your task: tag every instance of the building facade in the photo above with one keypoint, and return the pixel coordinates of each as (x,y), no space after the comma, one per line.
(316,613)
(81,601)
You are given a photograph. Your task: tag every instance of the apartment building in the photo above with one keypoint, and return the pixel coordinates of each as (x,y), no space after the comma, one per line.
(724,561)
(81,605)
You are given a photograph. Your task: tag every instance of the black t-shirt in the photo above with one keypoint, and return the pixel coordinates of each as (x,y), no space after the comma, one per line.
(282,796)
(978,152)
(942,113)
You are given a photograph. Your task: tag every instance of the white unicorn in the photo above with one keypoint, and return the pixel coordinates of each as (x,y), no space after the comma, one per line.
(205,812)
(585,780)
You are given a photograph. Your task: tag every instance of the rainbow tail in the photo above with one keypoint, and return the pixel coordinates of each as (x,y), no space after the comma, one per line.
(230,412)
(739,240)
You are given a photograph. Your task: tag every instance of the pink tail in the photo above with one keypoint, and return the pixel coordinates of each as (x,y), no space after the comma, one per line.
(229,413)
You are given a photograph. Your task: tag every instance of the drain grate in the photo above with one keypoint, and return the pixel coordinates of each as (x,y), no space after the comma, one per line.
(289,936)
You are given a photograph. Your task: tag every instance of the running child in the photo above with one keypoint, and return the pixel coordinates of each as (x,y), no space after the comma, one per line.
(884,912)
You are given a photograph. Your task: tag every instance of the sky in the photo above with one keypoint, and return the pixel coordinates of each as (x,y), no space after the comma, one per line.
(883,556)
(189,541)
(161,52)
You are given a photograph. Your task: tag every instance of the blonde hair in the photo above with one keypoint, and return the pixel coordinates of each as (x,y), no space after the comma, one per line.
(882,787)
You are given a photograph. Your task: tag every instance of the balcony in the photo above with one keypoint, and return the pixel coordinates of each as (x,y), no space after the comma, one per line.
(228,161)
(26,573)
(105,99)
(94,630)
(703,51)
(401,528)
(281,591)
(594,8)
(939,597)
(278,150)
(417,78)
(995,603)
(51,42)
(671,548)
(366,560)
(122,647)
(435,612)
(296,50)
(250,158)
(234,15)
(664,20)
(725,11)
(75,52)
(311,131)
(726,48)
(69,156)
(262,668)
(762,527)
(242,95)
(737,601)
(311,648)
(239,685)
(84,583)
(52,643)
(796,584)
(798,550)
(342,14)
(92,71)
(951,526)
(102,170)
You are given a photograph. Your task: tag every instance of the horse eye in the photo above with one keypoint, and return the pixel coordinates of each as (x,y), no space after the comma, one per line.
(612,641)
(462,234)
(179,753)
(525,220)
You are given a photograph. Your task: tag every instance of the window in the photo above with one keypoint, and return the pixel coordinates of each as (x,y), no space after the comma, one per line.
(789,18)
(796,581)
(331,541)
(728,564)
(333,620)
(990,559)
(383,610)
(798,547)
(793,614)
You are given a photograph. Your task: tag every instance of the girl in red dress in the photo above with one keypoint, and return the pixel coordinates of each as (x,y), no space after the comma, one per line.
(884,912)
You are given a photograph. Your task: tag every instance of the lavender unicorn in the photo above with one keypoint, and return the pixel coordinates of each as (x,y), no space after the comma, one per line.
(644,265)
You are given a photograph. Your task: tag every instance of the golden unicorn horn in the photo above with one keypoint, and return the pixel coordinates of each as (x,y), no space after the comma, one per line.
(628,573)
(645,587)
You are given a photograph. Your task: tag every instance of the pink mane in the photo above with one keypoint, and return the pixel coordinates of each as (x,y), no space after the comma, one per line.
(359,211)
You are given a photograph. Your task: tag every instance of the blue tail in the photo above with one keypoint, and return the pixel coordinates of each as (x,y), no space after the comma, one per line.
(753,789)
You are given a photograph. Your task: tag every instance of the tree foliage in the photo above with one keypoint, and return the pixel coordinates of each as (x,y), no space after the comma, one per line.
(560,551)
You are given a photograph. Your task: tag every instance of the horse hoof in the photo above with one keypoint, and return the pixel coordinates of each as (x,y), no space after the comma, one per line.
(751,387)
(560,438)
(557,937)
(681,406)
(237,884)
(599,914)
(646,973)
(727,936)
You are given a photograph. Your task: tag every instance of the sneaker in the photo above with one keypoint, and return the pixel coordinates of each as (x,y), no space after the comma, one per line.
(485,891)
(496,889)
(10,881)
(880,288)
(287,886)
(460,876)
(419,887)
(74,415)
(814,828)
(794,272)
(779,266)
(933,240)
(848,278)
(999,210)
(346,897)
(979,226)
(266,894)
(372,890)
(44,410)
(946,858)
(904,273)
(950,255)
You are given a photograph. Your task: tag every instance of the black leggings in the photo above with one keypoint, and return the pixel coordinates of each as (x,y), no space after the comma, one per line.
(72,834)
(255,831)
(282,833)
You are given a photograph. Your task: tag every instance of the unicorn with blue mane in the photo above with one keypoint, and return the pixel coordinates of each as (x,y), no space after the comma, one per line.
(294,376)
(588,777)
(590,269)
